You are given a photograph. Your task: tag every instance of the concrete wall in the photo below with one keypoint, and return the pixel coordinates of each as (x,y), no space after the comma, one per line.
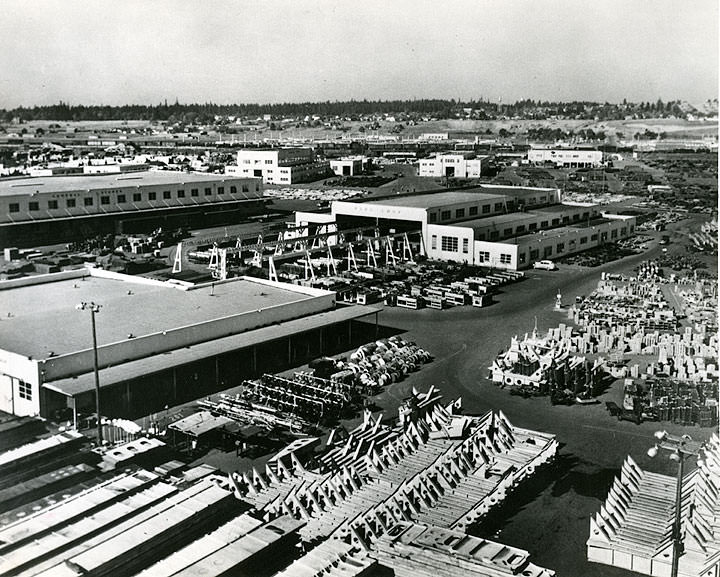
(463,237)
(495,255)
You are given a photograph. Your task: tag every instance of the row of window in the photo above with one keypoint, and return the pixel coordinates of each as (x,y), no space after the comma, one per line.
(121,198)
(450,244)
(472,211)
(25,390)
(484,256)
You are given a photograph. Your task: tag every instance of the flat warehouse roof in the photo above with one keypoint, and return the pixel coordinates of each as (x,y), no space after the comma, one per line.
(41,318)
(438,199)
(103,181)
(142,367)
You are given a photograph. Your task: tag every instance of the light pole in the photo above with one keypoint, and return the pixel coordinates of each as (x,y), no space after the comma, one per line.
(680,449)
(94,308)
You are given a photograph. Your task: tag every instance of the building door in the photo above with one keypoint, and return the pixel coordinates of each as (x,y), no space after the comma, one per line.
(257,173)
(6,394)
(449,171)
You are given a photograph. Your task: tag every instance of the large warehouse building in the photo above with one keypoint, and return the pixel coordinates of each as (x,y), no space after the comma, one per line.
(565,157)
(61,208)
(500,226)
(201,339)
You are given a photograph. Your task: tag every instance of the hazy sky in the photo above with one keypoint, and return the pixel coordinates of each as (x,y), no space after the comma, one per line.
(145,51)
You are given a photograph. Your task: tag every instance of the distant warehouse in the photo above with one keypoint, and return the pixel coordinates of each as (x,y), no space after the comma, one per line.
(566,158)
(453,165)
(497,226)
(280,165)
(62,208)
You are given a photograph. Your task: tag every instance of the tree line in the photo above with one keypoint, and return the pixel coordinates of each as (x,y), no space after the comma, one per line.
(209,113)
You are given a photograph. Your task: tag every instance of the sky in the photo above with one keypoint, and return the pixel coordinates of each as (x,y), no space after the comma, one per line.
(233,51)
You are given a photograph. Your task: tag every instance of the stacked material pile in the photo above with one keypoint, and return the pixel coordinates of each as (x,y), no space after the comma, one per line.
(634,527)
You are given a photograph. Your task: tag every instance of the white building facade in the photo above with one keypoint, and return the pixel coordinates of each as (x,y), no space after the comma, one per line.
(280,165)
(566,158)
(453,165)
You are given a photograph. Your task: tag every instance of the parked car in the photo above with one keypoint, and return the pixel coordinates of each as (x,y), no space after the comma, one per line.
(545,265)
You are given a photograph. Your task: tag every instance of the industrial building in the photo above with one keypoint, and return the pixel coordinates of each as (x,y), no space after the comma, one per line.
(349,166)
(497,226)
(566,158)
(280,165)
(453,165)
(202,339)
(62,208)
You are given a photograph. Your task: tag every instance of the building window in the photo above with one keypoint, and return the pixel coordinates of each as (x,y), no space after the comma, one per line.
(432,217)
(193,192)
(473,210)
(433,242)
(14,207)
(208,191)
(498,206)
(520,229)
(121,199)
(152,195)
(521,258)
(576,217)
(460,213)
(166,194)
(547,251)
(246,189)
(88,201)
(494,234)
(52,204)
(105,200)
(466,245)
(613,233)
(25,390)
(268,162)
(594,237)
(181,193)
(505,259)
(449,243)
(583,240)
(233,190)
(560,247)
(532,226)
(486,208)
(632,227)
(534,254)
(34,205)
(221,190)
(137,196)
(565,219)
(555,221)
(543,223)
(484,256)
(507,232)
(623,231)
(445,215)
(70,203)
